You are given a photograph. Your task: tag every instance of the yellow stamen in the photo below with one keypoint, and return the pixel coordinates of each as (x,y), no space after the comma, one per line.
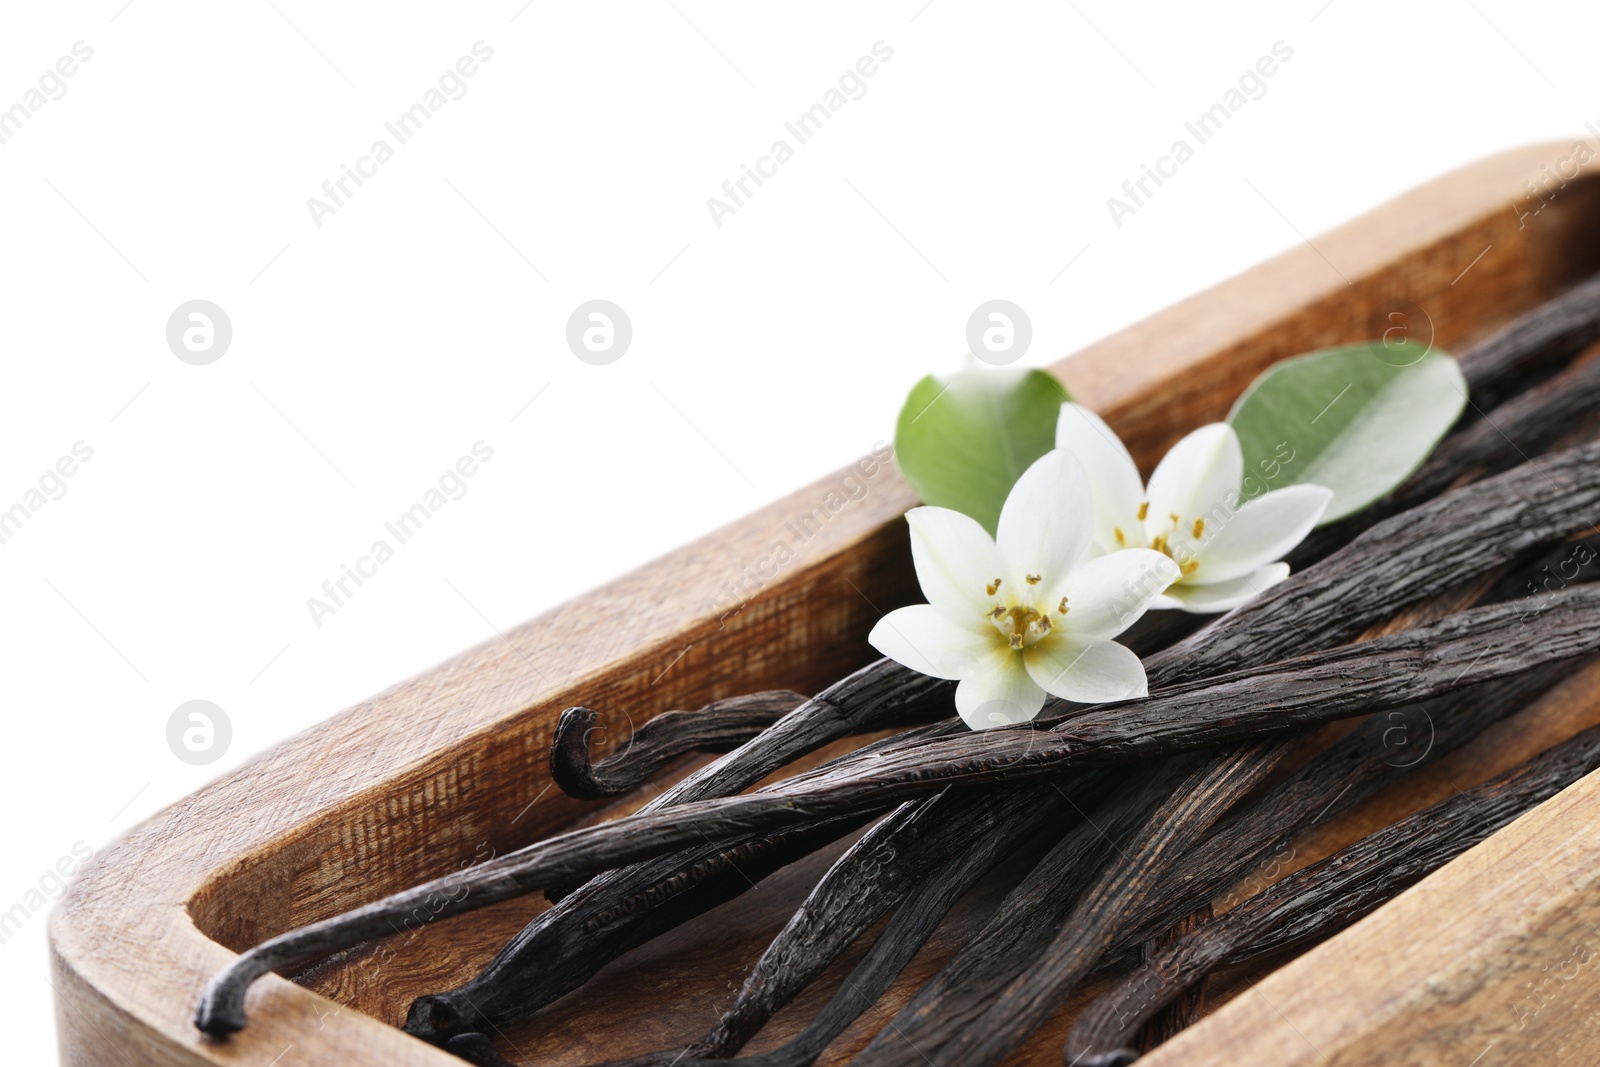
(1144,510)
(1199,527)
(1159,543)
(1121,540)
(1173,515)
(1034,579)
(1021,620)
(1063,608)
(994,587)
(997,612)
(1187,567)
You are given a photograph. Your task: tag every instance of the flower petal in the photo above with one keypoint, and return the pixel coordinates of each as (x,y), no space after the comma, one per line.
(1114,480)
(1086,670)
(1261,532)
(1107,594)
(929,642)
(1046,525)
(1224,596)
(1200,472)
(955,559)
(1000,695)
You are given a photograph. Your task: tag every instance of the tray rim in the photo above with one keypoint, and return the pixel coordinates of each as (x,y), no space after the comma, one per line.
(127,954)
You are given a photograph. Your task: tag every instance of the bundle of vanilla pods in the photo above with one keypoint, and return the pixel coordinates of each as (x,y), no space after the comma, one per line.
(1139,817)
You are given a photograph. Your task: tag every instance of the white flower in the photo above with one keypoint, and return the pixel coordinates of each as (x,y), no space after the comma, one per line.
(1023,614)
(1191,511)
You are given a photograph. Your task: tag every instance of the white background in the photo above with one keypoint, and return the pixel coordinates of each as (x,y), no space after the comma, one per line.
(425,314)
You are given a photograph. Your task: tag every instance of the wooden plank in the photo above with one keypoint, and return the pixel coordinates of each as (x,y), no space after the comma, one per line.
(450,764)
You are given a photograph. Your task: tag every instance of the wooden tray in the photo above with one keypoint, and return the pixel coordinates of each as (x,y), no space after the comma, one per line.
(1494,956)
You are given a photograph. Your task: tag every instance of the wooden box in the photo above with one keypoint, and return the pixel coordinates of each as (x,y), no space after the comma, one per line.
(1491,960)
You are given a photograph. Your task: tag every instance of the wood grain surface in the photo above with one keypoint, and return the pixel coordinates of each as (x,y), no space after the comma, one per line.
(451,766)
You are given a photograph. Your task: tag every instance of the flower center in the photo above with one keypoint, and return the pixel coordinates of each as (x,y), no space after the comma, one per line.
(1176,543)
(1022,623)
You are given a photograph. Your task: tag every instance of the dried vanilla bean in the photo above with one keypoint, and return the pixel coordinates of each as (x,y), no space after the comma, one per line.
(1184,1010)
(1130,876)
(1386,672)
(709,875)
(907,931)
(1570,563)
(553,959)
(1192,791)
(1326,896)
(880,695)
(547,959)
(868,880)
(1384,749)
(955,996)
(704,877)
(1378,753)
(1554,331)
(949,847)
(863,883)
(943,727)
(1524,425)
(720,726)
(563,946)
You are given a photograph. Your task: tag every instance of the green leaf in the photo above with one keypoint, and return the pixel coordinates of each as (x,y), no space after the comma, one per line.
(962,441)
(1358,419)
